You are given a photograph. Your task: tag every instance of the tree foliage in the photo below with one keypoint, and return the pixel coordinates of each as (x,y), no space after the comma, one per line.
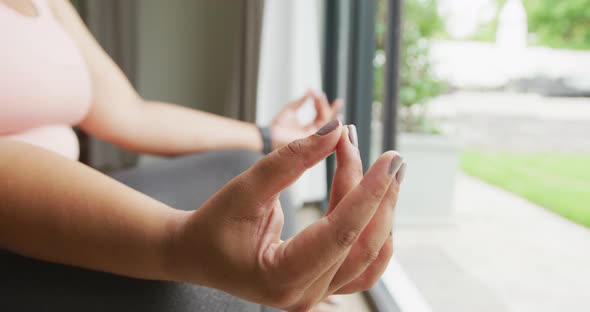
(421,22)
(418,84)
(557,24)
(560,24)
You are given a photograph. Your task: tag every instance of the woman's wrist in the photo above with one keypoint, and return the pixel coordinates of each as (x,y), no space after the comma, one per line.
(171,251)
(254,139)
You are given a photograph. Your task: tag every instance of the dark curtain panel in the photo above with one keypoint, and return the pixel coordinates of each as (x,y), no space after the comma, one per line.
(114,24)
(242,103)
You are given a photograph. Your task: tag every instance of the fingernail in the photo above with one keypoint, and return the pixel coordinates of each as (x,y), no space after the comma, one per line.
(396,163)
(352,136)
(329,127)
(401,173)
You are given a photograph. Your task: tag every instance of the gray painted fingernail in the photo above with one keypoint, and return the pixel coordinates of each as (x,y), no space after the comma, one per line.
(329,127)
(396,163)
(401,173)
(352,135)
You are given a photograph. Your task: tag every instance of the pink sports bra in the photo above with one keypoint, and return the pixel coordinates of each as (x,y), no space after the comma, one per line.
(45,87)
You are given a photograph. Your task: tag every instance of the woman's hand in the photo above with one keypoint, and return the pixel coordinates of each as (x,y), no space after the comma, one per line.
(233,241)
(286,126)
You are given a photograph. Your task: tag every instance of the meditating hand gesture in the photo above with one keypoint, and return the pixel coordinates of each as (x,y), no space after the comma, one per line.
(233,241)
(286,126)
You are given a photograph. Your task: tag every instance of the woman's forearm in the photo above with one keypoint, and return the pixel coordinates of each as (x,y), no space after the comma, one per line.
(179,130)
(168,129)
(119,115)
(61,211)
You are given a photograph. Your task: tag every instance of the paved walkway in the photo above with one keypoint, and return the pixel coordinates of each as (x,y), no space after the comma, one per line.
(501,254)
(514,121)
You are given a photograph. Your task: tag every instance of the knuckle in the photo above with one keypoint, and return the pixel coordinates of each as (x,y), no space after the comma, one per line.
(295,150)
(374,194)
(286,151)
(348,237)
(355,169)
(370,255)
(295,147)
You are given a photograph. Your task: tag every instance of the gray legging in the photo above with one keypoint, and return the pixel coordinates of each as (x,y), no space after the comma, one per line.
(184,183)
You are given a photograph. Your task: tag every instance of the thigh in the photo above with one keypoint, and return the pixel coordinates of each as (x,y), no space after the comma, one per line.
(31,285)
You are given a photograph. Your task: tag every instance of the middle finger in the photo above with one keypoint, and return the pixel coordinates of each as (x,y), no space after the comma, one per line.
(367,249)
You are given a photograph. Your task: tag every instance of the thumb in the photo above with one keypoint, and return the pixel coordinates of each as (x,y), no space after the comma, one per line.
(284,166)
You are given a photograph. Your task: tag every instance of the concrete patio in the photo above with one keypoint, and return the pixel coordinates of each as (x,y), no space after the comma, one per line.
(501,253)
(514,121)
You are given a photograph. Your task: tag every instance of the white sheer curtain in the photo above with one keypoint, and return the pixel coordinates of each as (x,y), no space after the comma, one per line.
(290,64)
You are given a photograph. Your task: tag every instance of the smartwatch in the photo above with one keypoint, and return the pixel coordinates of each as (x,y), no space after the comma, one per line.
(266,139)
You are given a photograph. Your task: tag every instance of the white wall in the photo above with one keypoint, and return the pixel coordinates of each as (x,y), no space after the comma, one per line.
(186,51)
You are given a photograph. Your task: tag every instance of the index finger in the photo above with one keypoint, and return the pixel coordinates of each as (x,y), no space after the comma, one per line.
(322,107)
(300,101)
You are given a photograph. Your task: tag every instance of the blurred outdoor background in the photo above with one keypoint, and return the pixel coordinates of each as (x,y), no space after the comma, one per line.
(495,111)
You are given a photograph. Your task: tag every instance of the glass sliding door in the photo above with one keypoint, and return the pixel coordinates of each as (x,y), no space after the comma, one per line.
(361,49)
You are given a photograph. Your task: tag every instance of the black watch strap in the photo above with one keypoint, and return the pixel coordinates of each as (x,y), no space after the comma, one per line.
(266,139)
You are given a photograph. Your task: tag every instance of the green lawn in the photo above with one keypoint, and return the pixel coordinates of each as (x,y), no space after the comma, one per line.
(558,182)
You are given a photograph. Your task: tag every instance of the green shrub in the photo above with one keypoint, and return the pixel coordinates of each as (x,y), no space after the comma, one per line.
(560,24)
(420,23)
(556,24)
